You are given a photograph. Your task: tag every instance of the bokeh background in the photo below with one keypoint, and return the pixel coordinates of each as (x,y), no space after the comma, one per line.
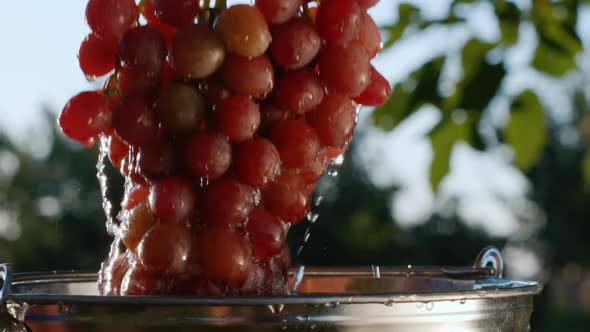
(484,141)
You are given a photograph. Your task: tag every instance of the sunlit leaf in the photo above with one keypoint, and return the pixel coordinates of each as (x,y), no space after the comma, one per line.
(419,89)
(553,61)
(526,130)
(481,79)
(509,19)
(443,139)
(559,42)
(394,32)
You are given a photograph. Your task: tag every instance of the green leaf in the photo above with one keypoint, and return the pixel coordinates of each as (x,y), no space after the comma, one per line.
(421,87)
(509,16)
(552,61)
(473,55)
(586,167)
(559,42)
(526,130)
(443,138)
(395,32)
(481,79)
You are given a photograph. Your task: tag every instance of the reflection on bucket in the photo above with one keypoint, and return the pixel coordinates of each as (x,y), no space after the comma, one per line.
(367,299)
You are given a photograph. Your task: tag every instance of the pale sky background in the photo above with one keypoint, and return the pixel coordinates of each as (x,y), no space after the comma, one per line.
(39,66)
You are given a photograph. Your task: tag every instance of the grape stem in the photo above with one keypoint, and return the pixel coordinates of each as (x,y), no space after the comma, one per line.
(221,4)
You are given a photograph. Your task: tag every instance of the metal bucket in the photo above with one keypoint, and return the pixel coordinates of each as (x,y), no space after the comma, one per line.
(351,300)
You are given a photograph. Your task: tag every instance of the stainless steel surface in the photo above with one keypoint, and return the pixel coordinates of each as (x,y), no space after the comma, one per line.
(344,299)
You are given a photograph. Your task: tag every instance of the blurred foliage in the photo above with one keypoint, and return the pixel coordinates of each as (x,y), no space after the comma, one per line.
(483,73)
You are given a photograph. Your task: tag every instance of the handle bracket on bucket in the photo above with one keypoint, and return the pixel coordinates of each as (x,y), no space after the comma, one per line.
(490,257)
(5,281)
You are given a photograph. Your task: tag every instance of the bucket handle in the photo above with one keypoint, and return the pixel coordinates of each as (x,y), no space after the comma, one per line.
(490,257)
(5,281)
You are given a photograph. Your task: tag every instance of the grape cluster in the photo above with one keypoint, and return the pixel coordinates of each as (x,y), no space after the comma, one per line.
(221,120)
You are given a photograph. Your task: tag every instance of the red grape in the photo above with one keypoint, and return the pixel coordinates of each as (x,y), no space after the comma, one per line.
(244,30)
(267,233)
(257,162)
(86,115)
(207,155)
(226,254)
(97,55)
(134,122)
(271,115)
(177,13)
(297,142)
(110,17)
(167,31)
(135,224)
(339,21)
(143,48)
(288,198)
(370,36)
(156,159)
(278,11)
(213,90)
(118,267)
(138,194)
(117,151)
(377,92)
(137,83)
(173,199)
(180,108)
(138,281)
(197,51)
(300,91)
(345,69)
(237,118)
(227,202)
(253,77)
(366,4)
(166,248)
(314,171)
(334,120)
(295,43)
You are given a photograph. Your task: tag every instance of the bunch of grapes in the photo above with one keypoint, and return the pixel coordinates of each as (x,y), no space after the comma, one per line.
(221,120)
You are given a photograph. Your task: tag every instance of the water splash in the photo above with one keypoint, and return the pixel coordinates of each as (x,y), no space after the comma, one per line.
(312,217)
(298,279)
(429,306)
(276,309)
(376,271)
(112,227)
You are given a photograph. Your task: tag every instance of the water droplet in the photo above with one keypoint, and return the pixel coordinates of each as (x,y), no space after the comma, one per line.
(462,301)
(313,326)
(313,217)
(376,271)
(429,306)
(333,173)
(276,309)
(350,299)
(318,200)
(204,182)
(409,266)
(419,305)
(331,304)
(389,303)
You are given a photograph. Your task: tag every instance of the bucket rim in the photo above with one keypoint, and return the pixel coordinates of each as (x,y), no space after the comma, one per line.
(485,288)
